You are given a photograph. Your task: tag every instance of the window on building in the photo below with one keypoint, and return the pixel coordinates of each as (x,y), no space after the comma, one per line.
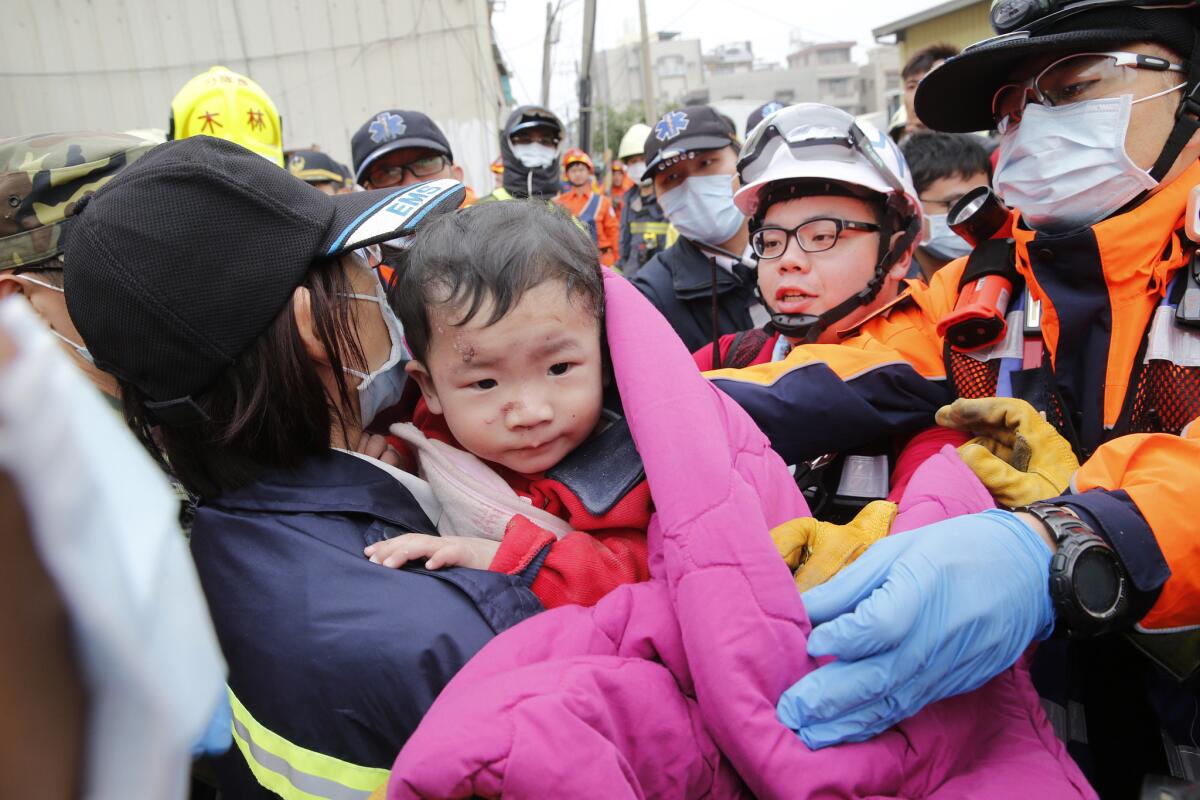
(891,80)
(785,96)
(834,87)
(669,66)
(835,56)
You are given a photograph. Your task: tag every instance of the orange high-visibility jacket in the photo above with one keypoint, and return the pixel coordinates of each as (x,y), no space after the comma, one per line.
(594,210)
(1127,375)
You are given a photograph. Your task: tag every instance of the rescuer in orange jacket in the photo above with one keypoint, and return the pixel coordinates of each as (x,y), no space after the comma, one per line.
(589,205)
(1097,104)
(617,186)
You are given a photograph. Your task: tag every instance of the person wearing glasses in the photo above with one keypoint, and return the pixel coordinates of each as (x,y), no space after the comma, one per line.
(397,148)
(1098,108)
(832,234)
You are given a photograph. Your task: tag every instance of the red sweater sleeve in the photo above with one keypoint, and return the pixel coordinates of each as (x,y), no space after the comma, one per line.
(580,567)
(923,445)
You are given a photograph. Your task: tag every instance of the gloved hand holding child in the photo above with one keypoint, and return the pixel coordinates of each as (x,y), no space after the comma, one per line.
(816,550)
(1017,455)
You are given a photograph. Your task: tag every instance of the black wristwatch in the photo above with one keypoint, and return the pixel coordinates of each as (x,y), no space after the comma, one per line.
(1088,583)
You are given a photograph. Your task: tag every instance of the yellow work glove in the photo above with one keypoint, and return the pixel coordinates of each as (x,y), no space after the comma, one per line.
(817,550)
(1017,454)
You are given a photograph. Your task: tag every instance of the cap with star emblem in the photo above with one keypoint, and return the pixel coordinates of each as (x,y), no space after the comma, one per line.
(685,130)
(395,129)
(230,106)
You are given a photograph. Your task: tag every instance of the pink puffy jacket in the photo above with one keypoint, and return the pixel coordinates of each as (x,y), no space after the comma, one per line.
(667,688)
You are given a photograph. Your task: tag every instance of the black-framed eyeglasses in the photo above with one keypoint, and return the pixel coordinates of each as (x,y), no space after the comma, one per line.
(813,236)
(384,175)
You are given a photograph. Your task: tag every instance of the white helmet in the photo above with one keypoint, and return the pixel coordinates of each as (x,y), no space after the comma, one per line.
(815,142)
(633,143)
(812,141)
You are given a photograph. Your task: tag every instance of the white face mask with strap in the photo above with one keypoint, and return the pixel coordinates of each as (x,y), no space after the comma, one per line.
(382,387)
(1065,168)
(79,349)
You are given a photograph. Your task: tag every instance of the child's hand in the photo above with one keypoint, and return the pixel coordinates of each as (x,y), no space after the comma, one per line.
(377,447)
(449,551)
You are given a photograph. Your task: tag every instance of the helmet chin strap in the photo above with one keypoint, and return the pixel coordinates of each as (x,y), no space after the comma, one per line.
(1187,118)
(809,327)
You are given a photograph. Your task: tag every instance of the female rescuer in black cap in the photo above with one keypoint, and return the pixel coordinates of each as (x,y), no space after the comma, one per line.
(253,345)
(1097,105)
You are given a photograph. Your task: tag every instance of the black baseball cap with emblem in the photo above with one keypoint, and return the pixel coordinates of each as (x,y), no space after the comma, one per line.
(761,113)
(395,129)
(185,258)
(685,130)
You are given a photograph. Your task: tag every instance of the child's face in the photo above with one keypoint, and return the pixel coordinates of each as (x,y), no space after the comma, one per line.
(522,392)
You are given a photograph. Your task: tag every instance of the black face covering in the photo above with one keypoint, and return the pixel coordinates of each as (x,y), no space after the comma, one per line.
(541,183)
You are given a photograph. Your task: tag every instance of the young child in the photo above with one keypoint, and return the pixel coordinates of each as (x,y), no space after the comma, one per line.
(502,306)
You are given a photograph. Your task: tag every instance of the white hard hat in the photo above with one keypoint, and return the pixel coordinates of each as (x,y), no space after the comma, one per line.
(812,141)
(633,143)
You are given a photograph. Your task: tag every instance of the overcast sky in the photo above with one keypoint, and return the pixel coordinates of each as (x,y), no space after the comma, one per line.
(767,24)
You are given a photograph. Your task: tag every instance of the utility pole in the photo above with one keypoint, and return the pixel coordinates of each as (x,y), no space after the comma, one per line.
(647,76)
(547,43)
(585,76)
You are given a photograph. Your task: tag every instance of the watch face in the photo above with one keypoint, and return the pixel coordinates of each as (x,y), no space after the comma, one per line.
(1097,582)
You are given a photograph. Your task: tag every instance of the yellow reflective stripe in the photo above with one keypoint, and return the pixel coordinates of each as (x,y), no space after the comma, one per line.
(294,772)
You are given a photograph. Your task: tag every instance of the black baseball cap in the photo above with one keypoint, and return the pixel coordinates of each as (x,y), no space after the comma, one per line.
(395,129)
(685,130)
(313,166)
(185,258)
(761,113)
(957,96)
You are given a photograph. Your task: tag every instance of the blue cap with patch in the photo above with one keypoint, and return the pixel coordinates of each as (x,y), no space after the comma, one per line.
(683,131)
(395,129)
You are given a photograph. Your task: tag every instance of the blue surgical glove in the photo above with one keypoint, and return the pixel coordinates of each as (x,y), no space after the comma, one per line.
(920,616)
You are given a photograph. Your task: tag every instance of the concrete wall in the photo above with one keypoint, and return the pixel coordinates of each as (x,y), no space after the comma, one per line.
(116,64)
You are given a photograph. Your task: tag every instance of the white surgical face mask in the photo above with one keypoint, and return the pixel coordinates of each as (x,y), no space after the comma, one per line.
(943,243)
(636,171)
(1065,168)
(534,156)
(702,209)
(381,388)
(78,348)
